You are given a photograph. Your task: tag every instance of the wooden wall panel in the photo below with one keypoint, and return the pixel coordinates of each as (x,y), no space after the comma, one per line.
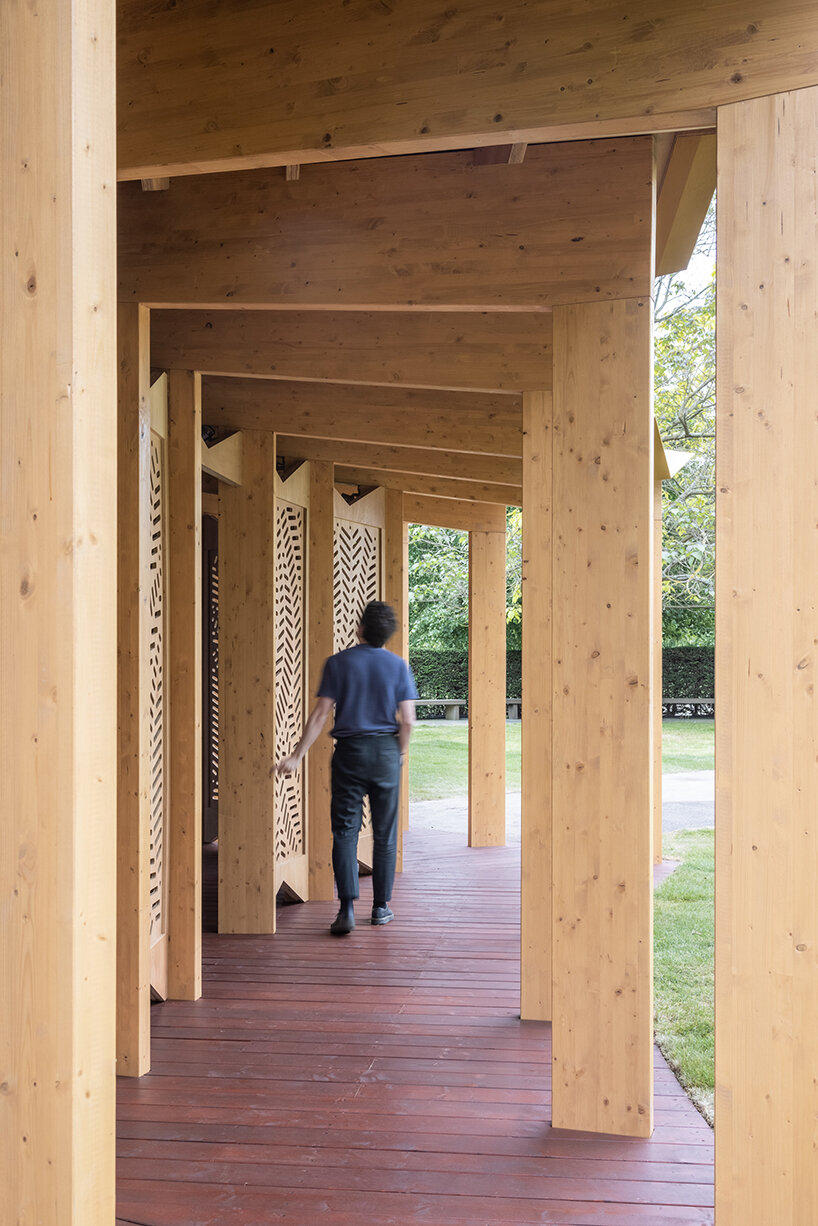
(396,593)
(766,635)
(433,349)
(324,82)
(398,232)
(321,645)
(487,688)
(246,693)
(602,738)
(58,604)
(133,997)
(485,423)
(184,661)
(537,766)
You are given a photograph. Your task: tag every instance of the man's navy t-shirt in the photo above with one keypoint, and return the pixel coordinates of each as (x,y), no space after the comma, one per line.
(366,684)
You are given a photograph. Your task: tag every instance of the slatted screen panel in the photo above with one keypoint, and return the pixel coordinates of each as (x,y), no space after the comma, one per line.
(156,699)
(290,602)
(210,678)
(356,581)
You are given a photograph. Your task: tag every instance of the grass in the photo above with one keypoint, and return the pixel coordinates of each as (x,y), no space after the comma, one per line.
(438,761)
(683,965)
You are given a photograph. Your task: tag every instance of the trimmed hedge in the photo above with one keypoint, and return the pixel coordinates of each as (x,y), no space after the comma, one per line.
(687,672)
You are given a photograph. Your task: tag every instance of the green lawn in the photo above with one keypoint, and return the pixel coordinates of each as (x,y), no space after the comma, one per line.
(683,964)
(438,759)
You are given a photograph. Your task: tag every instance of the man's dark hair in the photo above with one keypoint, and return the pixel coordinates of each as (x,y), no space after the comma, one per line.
(378,623)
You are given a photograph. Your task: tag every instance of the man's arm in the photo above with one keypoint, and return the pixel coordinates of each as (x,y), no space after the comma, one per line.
(312,729)
(406,711)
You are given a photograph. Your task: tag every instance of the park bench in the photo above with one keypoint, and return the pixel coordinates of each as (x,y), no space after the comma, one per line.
(688,708)
(451,706)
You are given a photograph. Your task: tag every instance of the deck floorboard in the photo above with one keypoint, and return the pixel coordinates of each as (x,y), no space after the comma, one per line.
(385,1079)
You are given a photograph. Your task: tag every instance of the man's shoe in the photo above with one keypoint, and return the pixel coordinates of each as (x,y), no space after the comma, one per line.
(344,921)
(381,915)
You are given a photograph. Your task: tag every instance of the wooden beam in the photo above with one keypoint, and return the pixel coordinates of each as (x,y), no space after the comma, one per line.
(487,688)
(58,502)
(766,628)
(184,660)
(246,693)
(537,665)
(602,1022)
(402,232)
(684,196)
(451,421)
(203,89)
(133,994)
(438,487)
(465,466)
(505,351)
(321,645)
(223,460)
(454,513)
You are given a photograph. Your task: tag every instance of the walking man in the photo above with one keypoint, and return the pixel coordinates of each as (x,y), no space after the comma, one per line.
(374,694)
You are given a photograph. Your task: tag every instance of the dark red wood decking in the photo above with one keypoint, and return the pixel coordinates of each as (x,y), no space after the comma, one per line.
(385,1078)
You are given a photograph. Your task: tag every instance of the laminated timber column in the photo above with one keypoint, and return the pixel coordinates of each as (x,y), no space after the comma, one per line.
(246,692)
(58,610)
(133,992)
(487,687)
(657,670)
(766,661)
(535,852)
(602,1024)
(185,685)
(321,644)
(396,593)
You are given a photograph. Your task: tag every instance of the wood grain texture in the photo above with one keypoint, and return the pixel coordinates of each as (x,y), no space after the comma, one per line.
(321,522)
(602,739)
(454,513)
(450,421)
(537,665)
(766,634)
(246,693)
(496,351)
(685,191)
(657,670)
(387,1079)
(185,684)
(437,487)
(133,999)
(396,594)
(398,232)
(487,688)
(425,461)
(58,602)
(207,87)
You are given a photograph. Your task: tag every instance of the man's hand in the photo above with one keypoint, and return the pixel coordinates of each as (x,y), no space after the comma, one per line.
(288,766)
(312,728)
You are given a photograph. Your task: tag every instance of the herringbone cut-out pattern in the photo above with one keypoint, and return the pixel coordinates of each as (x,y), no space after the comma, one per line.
(289,674)
(156,698)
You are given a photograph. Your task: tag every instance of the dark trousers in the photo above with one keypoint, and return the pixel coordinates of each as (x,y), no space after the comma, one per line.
(362,765)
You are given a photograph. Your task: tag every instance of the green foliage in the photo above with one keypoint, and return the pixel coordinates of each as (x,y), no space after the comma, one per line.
(445,674)
(690,625)
(688,672)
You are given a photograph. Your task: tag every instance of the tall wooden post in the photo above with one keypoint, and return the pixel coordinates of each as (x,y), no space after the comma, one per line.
(396,593)
(133,994)
(602,738)
(185,685)
(247,895)
(657,670)
(320,602)
(487,689)
(58,611)
(766,660)
(535,852)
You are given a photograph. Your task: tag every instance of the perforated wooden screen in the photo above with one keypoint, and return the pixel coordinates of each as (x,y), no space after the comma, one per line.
(289,674)
(210,678)
(156,699)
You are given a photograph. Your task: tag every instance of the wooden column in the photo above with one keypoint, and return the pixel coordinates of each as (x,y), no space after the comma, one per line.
(133,995)
(487,689)
(396,593)
(320,602)
(766,660)
(185,685)
(58,611)
(602,740)
(535,853)
(657,670)
(246,693)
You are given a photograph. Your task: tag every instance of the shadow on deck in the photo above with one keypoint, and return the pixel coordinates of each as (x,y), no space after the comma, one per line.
(385,1078)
